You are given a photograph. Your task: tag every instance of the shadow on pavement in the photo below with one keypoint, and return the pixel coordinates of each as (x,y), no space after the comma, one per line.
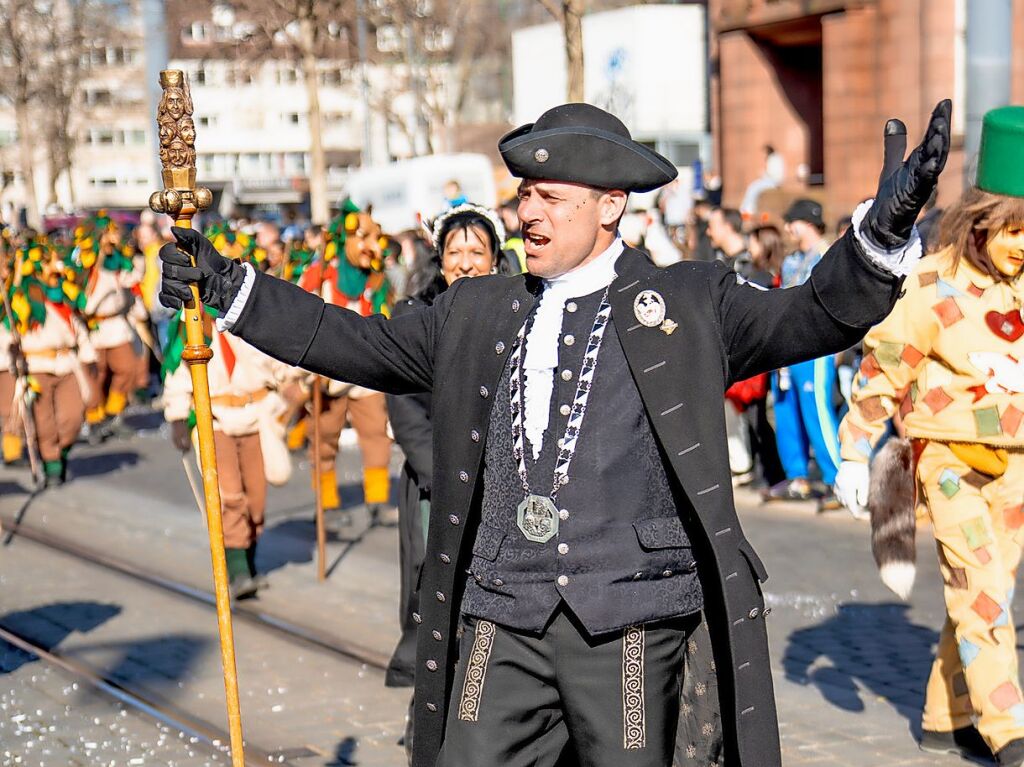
(49,625)
(865,648)
(100,463)
(344,754)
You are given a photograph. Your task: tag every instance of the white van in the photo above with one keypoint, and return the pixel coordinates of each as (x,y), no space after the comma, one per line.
(403,191)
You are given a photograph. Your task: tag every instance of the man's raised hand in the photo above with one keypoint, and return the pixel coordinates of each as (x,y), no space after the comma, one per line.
(903,193)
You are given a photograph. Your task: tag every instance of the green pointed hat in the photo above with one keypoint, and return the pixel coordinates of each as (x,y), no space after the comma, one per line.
(1001,156)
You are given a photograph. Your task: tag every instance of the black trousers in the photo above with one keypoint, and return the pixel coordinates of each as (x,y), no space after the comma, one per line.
(565,698)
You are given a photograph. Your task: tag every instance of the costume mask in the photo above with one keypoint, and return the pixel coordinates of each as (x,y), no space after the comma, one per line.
(363,242)
(1006,249)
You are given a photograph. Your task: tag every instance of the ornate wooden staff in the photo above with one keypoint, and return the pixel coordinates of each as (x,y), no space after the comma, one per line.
(181,199)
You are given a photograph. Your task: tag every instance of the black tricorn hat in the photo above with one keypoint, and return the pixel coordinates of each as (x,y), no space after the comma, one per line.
(582,144)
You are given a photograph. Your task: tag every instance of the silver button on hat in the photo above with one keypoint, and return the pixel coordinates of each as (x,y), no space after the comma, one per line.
(541,155)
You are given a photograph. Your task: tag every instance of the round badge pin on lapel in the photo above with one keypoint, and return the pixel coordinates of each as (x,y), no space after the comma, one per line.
(649,308)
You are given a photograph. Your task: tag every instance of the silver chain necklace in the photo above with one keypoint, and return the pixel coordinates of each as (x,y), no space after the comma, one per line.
(537,515)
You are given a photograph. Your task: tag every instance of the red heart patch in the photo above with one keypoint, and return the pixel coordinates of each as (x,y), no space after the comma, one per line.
(1008,326)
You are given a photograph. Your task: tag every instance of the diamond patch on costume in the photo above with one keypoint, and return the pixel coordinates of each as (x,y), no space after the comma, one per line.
(1011,419)
(927,278)
(986,421)
(959,684)
(889,354)
(1017,712)
(869,367)
(1004,616)
(1013,517)
(977,479)
(975,531)
(948,312)
(945,290)
(871,409)
(906,406)
(1005,695)
(968,652)
(949,483)
(983,556)
(975,291)
(937,399)
(914,391)
(863,447)
(911,355)
(987,609)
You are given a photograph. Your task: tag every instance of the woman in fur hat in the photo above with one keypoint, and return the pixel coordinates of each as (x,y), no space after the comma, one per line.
(948,363)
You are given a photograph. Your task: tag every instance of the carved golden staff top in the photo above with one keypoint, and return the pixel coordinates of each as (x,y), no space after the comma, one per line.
(180,197)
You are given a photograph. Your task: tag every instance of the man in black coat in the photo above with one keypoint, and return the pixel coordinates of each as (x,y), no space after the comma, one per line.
(582,513)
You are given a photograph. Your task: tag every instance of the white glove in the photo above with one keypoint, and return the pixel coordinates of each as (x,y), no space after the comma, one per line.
(851,488)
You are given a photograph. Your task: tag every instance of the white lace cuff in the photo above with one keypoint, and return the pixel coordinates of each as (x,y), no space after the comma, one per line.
(899,262)
(228,320)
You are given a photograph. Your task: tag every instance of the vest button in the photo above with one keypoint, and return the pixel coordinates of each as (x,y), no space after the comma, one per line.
(431,707)
(431,665)
(571,307)
(436,635)
(563,515)
(463,476)
(566,375)
(474,435)
(563,580)
(752,614)
(565,410)
(499,347)
(446,559)
(499,582)
(563,548)
(638,576)
(569,339)
(416,618)
(440,596)
(483,392)
(666,574)
(453,519)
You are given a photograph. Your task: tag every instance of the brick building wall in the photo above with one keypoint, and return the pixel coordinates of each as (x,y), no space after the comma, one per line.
(878,59)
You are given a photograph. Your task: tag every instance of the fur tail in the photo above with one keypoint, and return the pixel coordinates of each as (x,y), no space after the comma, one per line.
(893,526)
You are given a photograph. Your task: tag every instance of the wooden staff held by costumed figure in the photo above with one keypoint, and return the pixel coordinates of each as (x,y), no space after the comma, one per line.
(318,409)
(181,199)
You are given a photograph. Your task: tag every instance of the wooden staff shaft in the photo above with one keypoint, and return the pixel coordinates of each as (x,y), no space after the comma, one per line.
(321,533)
(197,354)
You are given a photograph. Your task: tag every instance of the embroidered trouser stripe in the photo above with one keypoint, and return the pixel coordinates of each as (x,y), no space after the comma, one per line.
(476,671)
(634,720)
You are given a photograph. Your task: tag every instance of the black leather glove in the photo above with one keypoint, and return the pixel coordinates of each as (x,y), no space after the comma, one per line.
(180,436)
(219,278)
(902,194)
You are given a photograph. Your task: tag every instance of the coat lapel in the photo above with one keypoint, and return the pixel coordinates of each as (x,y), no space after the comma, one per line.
(667,371)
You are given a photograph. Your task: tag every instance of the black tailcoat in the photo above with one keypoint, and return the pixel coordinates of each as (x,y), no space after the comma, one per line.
(726,331)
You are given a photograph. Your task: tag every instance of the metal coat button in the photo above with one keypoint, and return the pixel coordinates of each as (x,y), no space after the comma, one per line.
(753,613)
(436,635)
(569,339)
(474,435)
(565,410)
(563,580)
(766,612)
(483,392)
(463,476)
(638,576)
(499,347)
(563,548)
(571,307)
(431,707)
(416,618)
(431,665)
(446,559)
(563,515)
(440,596)
(566,375)
(453,519)
(515,305)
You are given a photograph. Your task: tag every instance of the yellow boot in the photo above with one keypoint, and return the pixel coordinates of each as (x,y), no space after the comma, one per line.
(376,485)
(12,447)
(95,415)
(116,402)
(297,434)
(329,490)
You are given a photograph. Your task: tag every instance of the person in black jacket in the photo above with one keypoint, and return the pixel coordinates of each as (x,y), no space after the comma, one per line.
(581,508)
(466,243)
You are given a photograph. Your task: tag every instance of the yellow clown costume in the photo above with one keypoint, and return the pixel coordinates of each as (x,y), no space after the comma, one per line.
(948,363)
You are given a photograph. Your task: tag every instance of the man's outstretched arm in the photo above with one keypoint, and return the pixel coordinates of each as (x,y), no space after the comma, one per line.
(298,328)
(855,284)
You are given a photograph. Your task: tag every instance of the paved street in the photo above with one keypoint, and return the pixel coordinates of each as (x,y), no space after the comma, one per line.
(849,661)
